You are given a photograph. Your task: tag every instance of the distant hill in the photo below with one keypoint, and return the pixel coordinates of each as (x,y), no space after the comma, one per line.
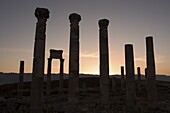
(8,78)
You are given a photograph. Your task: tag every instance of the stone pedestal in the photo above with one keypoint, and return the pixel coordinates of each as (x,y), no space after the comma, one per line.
(48,83)
(151,73)
(130,82)
(73,91)
(122,79)
(61,81)
(104,62)
(42,15)
(21,77)
(139,78)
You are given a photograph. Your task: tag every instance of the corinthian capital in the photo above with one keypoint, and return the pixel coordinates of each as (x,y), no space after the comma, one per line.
(41,13)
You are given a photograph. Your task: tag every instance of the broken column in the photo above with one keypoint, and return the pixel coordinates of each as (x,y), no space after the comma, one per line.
(42,15)
(73,91)
(151,74)
(21,77)
(130,82)
(122,78)
(139,78)
(104,61)
(61,81)
(48,83)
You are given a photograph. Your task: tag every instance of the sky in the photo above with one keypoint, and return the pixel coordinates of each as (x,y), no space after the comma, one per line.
(130,21)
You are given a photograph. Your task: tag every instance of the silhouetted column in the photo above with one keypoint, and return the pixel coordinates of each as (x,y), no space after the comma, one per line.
(122,78)
(130,82)
(139,78)
(151,74)
(42,15)
(21,77)
(48,85)
(104,60)
(73,94)
(61,81)
(145,73)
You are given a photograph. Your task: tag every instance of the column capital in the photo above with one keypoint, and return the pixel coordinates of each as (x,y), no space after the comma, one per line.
(74,18)
(103,23)
(41,13)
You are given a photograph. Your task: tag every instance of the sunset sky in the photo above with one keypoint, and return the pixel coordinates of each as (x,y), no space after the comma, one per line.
(130,22)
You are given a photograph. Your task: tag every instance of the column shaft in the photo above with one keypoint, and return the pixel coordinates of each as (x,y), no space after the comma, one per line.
(104,61)
(21,77)
(122,78)
(73,94)
(48,85)
(61,81)
(139,78)
(151,73)
(42,15)
(145,73)
(130,83)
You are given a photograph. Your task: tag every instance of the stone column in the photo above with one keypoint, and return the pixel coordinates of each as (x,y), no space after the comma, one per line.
(122,78)
(48,85)
(145,73)
(61,81)
(42,15)
(104,61)
(151,73)
(139,78)
(73,94)
(21,77)
(130,82)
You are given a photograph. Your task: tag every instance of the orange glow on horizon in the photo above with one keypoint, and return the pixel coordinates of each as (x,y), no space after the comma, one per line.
(89,64)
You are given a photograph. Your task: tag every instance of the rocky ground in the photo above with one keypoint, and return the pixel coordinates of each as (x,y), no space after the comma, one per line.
(89,98)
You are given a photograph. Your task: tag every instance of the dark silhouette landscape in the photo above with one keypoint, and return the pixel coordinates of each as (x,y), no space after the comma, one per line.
(129,92)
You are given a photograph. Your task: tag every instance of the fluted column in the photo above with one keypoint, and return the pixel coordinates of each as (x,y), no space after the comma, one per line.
(122,78)
(104,60)
(61,81)
(73,94)
(21,77)
(130,82)
(151,73)
(48,85)
(42,15)
(139,78)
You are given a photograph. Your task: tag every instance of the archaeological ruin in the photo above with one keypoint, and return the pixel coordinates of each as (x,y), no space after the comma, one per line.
(127,93)
(104,62)
(36,106)
(54,54)
(21,79)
